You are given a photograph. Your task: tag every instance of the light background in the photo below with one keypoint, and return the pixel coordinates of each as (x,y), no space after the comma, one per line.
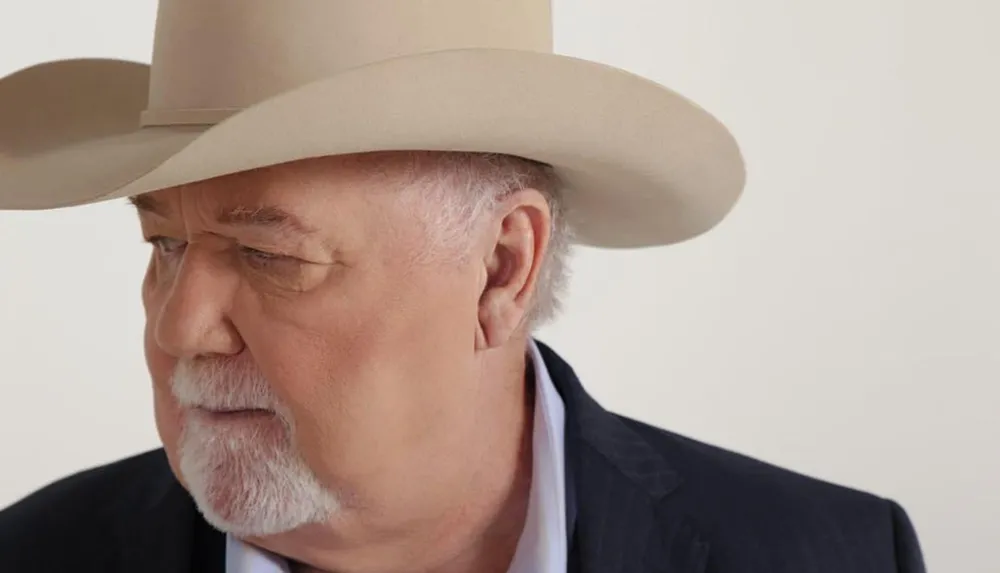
(843,322)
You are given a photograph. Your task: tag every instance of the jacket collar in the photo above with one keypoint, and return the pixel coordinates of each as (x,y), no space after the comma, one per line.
(620,484)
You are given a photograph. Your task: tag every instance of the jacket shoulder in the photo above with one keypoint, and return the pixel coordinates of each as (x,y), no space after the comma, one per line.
(75,519)
(762,513)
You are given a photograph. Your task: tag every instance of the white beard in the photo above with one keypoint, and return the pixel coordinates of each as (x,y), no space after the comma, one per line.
(247,479)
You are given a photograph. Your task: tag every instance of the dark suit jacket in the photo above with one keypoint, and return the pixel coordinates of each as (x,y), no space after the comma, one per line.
(641,500)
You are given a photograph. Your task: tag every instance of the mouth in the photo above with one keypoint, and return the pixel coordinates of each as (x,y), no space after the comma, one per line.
(237,415)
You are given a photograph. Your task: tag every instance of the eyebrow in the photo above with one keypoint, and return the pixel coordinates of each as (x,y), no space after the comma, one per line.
(146,204)
(264,216)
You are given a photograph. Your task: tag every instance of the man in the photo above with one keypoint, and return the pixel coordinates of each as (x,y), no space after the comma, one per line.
(359,211)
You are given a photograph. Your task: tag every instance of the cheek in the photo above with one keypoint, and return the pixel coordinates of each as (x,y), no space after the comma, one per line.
(342,393)
(382,381)
(149,284)
(168,417)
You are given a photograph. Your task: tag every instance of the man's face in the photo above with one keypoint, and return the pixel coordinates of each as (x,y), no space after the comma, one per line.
(304,355)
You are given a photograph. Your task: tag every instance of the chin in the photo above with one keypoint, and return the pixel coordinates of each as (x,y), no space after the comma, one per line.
(248,480)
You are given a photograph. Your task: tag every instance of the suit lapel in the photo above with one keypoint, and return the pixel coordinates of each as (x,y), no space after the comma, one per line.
(623,522)
(208,553)
(166,533)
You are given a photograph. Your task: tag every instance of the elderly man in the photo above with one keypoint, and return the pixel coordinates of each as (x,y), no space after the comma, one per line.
(358,212)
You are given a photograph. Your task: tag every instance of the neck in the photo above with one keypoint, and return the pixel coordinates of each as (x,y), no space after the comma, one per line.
(479,529)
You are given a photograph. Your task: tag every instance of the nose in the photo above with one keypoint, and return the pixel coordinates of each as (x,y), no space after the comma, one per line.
(193,318)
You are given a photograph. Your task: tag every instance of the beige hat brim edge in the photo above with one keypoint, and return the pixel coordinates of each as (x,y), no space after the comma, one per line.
(642,164)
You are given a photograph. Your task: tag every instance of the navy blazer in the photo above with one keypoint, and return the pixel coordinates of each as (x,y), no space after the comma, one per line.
(640,500)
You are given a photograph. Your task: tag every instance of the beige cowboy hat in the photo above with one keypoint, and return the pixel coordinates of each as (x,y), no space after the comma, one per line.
(236,85)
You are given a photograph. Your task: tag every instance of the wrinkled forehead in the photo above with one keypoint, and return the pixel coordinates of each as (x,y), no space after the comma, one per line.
(308,181)
(344,203)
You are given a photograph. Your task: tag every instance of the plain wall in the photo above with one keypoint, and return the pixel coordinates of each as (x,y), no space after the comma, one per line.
(843,322)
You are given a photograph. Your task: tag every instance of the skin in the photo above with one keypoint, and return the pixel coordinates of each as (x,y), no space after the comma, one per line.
(404,375)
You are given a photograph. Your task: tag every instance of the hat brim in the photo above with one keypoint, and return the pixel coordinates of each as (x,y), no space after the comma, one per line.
(642,164)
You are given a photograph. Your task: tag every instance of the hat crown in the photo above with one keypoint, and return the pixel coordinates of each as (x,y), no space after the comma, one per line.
(228,54)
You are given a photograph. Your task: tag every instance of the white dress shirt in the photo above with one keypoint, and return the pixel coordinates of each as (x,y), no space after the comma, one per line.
(542,546)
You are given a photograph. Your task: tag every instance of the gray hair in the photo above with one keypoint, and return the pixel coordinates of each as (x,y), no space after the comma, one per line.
(458,192)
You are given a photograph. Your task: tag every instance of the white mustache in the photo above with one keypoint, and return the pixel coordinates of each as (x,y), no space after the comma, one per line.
(219,386)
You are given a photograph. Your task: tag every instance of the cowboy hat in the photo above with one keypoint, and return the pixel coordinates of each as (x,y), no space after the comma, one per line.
(236,85)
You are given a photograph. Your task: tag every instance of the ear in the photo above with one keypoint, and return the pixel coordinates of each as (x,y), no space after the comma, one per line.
(513,256)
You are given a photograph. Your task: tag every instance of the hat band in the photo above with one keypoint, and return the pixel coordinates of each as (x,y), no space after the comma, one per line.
(173,117)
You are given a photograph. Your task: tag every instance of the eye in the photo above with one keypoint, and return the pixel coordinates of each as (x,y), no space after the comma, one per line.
(261,258)
(166,245)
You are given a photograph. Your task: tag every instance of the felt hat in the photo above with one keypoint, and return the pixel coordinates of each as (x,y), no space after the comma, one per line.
(235,85)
